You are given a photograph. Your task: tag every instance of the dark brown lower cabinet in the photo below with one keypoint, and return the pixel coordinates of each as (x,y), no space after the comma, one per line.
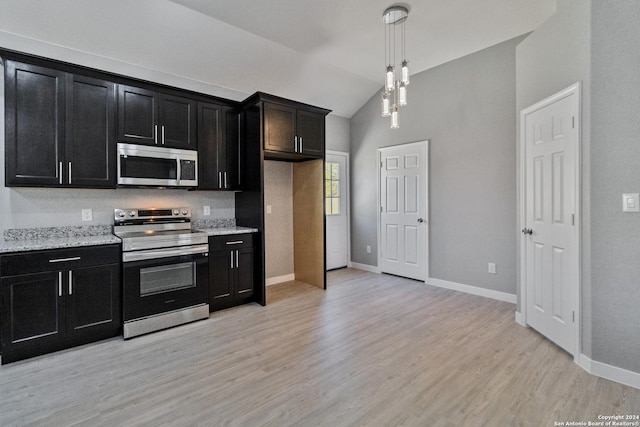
(77,301)
(231,270)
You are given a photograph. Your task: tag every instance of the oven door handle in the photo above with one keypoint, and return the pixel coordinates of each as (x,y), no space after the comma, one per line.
(164,253)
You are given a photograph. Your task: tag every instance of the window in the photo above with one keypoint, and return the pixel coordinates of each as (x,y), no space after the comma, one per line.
(332,188)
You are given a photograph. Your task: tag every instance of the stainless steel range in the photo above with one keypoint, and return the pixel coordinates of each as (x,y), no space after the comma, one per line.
(165,269)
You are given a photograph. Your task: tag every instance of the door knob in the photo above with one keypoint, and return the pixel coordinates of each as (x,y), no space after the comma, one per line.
(527,231)
(420,220)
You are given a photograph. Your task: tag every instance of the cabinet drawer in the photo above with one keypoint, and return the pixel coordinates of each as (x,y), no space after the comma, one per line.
(232,241)
(58,259)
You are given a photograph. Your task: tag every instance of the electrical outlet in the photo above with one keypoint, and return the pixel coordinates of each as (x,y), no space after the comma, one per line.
(87,215)
(268,209)
(207,210)
(492,268)
(368,249)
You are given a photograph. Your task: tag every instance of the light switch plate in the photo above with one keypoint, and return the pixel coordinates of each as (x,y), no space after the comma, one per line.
(207,210)
(631,202)
(268,209)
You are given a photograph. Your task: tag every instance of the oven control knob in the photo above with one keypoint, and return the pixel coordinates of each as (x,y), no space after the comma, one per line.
(176,211)
(132,213)
(185,211)
(121,214)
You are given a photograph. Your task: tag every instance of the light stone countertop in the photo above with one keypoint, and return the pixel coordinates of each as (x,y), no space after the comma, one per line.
(42,243)
(35,239)
(223,231)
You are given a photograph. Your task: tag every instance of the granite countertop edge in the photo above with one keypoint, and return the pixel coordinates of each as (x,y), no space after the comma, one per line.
(8,246)
(224,231)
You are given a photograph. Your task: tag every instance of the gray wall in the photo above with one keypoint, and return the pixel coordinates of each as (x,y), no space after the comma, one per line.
(565,42)
(337,133)
(467,109)
(615,169)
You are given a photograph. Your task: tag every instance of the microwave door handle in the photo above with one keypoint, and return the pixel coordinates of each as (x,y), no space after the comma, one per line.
(179,171)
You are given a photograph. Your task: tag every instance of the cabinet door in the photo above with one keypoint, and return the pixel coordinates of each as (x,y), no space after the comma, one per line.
(93,301)
(310,128)
(32,312)
(34,121)
(209,142)
(244,273)
(232,150)
(137,115)
(279,128)
(90,146)
(177,122)
(220,279)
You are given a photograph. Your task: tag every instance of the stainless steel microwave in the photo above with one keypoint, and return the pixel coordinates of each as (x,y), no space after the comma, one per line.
(142,165)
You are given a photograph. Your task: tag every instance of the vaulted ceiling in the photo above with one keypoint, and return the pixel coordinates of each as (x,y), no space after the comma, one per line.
(323,52)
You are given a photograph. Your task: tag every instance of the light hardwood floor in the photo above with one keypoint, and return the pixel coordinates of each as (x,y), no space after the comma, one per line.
(372,350)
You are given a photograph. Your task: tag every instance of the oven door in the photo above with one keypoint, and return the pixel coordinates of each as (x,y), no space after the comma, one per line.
(156,286)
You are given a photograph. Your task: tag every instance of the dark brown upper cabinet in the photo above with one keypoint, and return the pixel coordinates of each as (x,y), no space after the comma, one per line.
(60,128)
(291,130)
(218,148)
(155,118)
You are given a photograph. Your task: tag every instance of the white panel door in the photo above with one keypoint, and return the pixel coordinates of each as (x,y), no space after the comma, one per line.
(551,282)
(403,210)
(336,210)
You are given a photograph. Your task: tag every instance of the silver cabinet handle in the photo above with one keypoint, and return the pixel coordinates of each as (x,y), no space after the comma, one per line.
(69,172)
(219,179)
(70,282)
(232,259)
(75,258)
(235,242)
(237,258)
(59,283)
(301,149)
(60,172)
(295,143)
(225,180)
(162,134)
(155,134)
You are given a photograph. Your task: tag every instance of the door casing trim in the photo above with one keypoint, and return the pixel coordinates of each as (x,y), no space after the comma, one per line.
(574,89)
(425,143)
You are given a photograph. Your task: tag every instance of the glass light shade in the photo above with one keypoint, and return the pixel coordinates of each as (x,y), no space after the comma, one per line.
(386,105)
(394,118)
(402,94)
(405,72)
(390,79)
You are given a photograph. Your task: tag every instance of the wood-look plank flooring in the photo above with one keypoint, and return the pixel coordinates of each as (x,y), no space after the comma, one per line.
(372,350)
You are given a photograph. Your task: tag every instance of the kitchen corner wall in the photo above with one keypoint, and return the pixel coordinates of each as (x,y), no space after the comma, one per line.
(467,109)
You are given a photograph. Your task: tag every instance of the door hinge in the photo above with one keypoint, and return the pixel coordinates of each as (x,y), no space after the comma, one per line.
(573,122)
(573,219)
(380,164)
(381,209)
(574,316)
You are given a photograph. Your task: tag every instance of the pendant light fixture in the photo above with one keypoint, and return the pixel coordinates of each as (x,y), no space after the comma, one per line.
(394,94)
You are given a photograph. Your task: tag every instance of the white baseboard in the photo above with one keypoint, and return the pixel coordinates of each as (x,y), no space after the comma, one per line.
(520,319)
(279,279)
(365,267)
(613,373)
(497,295)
